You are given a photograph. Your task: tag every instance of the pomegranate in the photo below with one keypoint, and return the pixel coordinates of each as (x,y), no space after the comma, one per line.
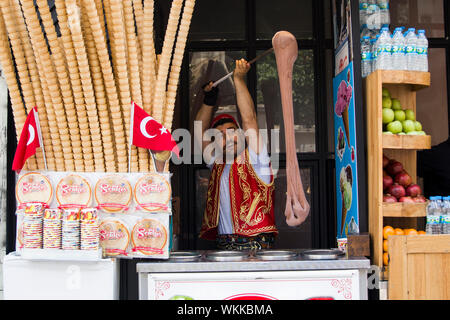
(394,168)
(406,200)
(420,199)
(397,190)
(385,161)
(387,182)
(403,179)
(389,199)
(413,191)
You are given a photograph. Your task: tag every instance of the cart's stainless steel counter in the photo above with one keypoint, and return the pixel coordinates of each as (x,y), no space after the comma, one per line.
(252,264)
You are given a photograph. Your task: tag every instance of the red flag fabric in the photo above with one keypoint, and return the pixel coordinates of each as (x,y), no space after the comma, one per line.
(150,134)
(28,142)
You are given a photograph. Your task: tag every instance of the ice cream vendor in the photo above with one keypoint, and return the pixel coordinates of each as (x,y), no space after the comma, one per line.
(239,213)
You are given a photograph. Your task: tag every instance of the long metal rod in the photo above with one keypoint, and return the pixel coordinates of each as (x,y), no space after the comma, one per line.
(265,53)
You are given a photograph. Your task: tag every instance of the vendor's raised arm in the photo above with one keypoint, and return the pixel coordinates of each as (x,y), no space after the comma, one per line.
(245,105)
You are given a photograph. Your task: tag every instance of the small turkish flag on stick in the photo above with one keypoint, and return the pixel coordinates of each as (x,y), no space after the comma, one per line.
(147,133)
(30,140)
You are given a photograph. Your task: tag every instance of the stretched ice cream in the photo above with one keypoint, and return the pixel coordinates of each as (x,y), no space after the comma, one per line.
(345,183)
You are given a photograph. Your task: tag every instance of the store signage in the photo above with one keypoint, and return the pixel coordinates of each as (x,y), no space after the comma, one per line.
(346,153)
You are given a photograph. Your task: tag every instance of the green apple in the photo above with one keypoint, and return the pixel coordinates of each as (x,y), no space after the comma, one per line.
(387,132)
(388,115)
(387,103)
(418,126)
(412,133)
(396,105)
(399,115)
(421,133)
(386,93)
(408,126)
(402,134)
(395,127)
(410,115)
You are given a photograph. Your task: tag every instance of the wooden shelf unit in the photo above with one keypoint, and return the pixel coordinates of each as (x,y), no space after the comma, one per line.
(402,85)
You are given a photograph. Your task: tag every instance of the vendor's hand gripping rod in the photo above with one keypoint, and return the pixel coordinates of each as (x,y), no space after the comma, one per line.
(265,53)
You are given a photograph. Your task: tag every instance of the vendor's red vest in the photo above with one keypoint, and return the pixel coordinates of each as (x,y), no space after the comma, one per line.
(252,210)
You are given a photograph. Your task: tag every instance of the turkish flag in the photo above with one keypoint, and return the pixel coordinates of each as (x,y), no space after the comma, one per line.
(29,141)
(149,133)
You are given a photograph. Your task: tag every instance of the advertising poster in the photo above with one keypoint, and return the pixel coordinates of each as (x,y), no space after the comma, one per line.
(346,153)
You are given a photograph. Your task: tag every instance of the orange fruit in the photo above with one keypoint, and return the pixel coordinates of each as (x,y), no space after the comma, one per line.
(386,259)
(399,232)
(385,245)
(421,232)
(388,231)
(411,232)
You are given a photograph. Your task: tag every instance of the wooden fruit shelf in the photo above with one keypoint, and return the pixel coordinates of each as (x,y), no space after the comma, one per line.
(395,141)
(402,85)
(406,210)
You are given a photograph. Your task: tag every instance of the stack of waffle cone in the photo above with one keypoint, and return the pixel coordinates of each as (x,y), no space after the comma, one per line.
(18,108)
(100,96)
(79,148)
(109,82)
(134,72)
(36,83)
(177,62)
(122,71)
(148,56)
(55,111)
(21,66)
(74,19)
(74,144)
(164,63)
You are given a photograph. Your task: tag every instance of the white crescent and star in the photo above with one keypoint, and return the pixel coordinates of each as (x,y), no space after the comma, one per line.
(143,127)
(144,130)
(31,134)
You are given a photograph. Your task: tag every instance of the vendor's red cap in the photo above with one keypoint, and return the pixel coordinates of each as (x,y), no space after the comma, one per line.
(224,116)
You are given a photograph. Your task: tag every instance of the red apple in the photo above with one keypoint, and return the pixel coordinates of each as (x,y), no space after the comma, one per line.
(387,182)
(389,199)
(394,168)
(406,200)
(403,179)
(385,161)
(397,190)
(413,190)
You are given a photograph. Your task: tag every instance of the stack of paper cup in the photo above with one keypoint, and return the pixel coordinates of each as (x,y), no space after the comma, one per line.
(71,229)
(32,226)
(90,234)
(52,228)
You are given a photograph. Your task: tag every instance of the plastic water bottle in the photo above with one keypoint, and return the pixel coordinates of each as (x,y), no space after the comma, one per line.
(422,51)
(410,51)
(363,6)
(384,47)
(366,57)
(398,50)
(445,216)
(385,17)
(433,216)
(373,15)
(373,49)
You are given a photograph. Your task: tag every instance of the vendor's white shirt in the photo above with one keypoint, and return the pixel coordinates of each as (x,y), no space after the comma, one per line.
(261,165)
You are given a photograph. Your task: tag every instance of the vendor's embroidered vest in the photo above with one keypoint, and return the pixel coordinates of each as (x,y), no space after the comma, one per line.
(252,210)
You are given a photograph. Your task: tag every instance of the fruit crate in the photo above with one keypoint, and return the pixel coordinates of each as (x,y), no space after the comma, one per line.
(418,267)
(402,85)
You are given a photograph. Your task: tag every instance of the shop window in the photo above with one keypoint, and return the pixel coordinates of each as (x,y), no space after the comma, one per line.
(285,15)
(420,14)
(218,20)
(269,100)
(433,101)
